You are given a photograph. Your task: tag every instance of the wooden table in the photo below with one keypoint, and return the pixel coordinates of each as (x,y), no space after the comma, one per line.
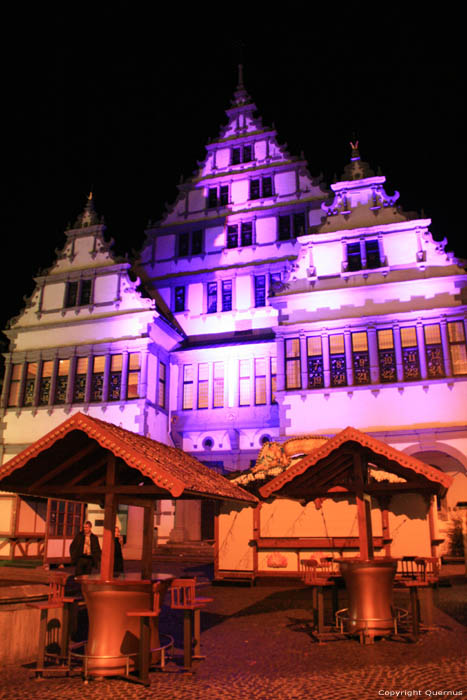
(113,635)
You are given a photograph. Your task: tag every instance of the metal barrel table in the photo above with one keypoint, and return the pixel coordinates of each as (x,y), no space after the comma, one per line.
(113,640)
(369,587)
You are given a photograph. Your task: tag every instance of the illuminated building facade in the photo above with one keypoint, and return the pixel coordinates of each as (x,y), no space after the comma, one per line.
(278,309)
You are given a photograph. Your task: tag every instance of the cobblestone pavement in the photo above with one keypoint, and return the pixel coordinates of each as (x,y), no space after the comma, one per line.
(259,644)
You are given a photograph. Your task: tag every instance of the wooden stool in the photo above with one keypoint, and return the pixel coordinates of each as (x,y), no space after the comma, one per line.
(318,582)
(56,600)
(145,633)
(183,597)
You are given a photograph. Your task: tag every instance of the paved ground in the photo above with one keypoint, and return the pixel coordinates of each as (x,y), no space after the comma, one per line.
(259,644)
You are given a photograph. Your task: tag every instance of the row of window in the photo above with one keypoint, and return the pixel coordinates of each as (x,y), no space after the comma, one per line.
(334,359)
(253,379)
(80,380)
(259,188)
(219,293)
(241,235)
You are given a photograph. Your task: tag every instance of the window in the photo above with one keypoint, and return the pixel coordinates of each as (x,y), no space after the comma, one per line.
(30,384)
(212,298)
(337,360)
(261,187)
(244,383)
(434,351)
(246,234)
(190,243)
(457,347)
(179,297)
(161,385)
(292,364)
(97,379)
(260,290)
(218,196)
(65,518)
(79,387)
(78,293)
(61,382)
(386,356)
(363,255)
(203,385)
(242,154)
(260,381)
(410,360)
(360,358)
(15,383)
(115,378)
(273,379)
(315,363)
(187,387)
(275,283)
(45,383)
(290,225)
(354,257)
(133,375)
(218,385)
(373,258)
(226,295)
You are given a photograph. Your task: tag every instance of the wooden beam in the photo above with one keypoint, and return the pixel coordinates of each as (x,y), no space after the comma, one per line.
(365,534)
(64,465)
(148,534)
(85,472)
(108,542)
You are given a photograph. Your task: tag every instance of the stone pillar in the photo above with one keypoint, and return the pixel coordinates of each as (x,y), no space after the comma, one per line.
(187,522)
(143,375)
(373,355)
(421,349)
(398,352)
(326,360)
(303,361)
(6,383)
(445,343)
(124,384)
(133,548)
(348,357)
(280,348)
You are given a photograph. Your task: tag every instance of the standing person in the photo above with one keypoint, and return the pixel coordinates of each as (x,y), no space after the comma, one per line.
(118,556)
(85,551)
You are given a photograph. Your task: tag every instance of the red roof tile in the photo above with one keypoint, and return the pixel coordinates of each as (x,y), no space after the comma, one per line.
(169,468)
(374,445)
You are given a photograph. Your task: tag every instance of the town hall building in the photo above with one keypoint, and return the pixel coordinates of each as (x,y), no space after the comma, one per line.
(272,308)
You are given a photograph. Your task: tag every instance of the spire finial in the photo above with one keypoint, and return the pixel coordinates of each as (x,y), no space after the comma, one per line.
(240,85)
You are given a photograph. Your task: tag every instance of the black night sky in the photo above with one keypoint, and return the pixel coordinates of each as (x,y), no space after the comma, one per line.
(122,100)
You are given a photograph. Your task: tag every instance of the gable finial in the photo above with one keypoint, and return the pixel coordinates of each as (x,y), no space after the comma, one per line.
(240,85)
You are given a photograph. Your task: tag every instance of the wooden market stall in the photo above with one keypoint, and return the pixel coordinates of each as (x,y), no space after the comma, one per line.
(86,459)
(352,495)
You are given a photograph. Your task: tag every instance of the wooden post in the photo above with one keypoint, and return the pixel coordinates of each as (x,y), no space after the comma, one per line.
(108,543)
(148,534)
(365,534)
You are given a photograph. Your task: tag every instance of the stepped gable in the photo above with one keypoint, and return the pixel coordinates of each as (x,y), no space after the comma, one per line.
(243,145)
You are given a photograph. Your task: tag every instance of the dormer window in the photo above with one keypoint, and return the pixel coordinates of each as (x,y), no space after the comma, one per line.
(78,293)
(363,255)
(242,154)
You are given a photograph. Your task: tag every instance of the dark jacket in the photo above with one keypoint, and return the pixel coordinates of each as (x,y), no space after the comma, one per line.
(77,546)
